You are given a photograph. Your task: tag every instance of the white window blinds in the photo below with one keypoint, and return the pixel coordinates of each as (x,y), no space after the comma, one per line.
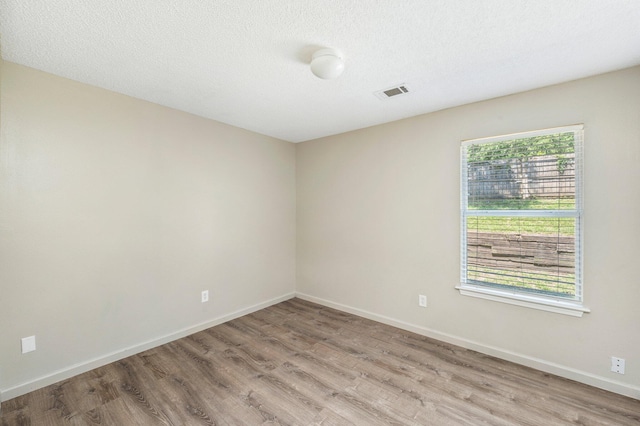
(521,205)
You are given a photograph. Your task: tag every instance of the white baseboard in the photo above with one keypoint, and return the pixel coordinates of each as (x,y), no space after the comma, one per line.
(539,364)
(74,370)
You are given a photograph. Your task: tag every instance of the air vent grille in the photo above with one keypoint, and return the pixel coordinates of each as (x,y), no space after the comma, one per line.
(400,89)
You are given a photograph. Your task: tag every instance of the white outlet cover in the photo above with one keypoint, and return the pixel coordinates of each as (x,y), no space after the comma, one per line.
(422,300)
(28,344)
(617,365)
(205,296)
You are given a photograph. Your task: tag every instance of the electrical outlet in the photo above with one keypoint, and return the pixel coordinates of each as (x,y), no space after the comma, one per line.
(422,300)
(617,365)
(205,296)
(28,344)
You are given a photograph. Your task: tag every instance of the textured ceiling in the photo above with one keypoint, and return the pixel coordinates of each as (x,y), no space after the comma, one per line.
(245,62)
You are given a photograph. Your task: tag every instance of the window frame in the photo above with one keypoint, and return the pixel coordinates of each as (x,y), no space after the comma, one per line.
(552,303)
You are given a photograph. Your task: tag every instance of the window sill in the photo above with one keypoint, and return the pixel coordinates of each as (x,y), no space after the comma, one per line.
(557,306)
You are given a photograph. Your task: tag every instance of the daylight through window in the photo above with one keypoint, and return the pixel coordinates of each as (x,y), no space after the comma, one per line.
(521,205)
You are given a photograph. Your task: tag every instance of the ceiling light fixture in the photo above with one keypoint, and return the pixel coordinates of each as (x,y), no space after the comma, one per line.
(327,64)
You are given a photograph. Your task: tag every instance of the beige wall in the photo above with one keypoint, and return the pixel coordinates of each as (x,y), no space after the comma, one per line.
(378,224)
(115,213)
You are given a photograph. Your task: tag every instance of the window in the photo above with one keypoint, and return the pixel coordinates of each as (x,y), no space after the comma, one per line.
(521,213)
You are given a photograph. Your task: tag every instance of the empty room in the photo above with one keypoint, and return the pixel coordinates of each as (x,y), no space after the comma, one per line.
(319,213)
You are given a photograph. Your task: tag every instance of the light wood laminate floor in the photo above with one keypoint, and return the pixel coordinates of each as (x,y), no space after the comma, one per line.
(298,363)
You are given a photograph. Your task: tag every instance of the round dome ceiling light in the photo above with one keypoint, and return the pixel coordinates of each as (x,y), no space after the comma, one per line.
(327,64)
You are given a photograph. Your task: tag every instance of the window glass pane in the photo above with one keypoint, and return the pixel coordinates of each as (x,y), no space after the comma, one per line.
(536,173)
(532,253)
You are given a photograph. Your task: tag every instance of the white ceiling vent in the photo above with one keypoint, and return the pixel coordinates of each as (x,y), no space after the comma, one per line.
(392,92)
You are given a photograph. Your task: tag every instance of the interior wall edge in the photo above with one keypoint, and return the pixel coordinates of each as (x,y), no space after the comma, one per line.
(74,370)
(518,358)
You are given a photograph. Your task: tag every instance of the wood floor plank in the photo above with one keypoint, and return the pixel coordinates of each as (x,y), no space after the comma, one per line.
(330,418)
(17,418)
(299,363)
